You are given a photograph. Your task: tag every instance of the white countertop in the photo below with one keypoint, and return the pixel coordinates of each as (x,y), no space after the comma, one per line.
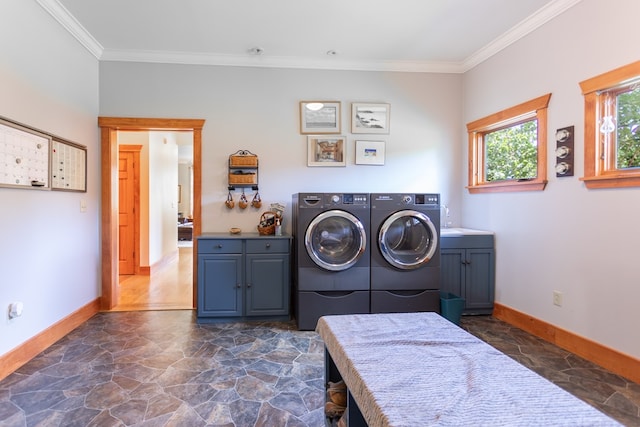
(458,231)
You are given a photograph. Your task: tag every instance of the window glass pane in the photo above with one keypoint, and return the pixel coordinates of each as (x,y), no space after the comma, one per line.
(512,153)
(628,129)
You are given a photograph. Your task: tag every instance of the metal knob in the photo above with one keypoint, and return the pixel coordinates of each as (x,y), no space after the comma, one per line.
(268,245)
(219,246)
(248,285)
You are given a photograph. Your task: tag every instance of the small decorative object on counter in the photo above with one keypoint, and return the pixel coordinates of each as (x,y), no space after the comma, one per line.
(243,203)
(278,227)
(278,208)
(230,203)
(235,230)
(267,224)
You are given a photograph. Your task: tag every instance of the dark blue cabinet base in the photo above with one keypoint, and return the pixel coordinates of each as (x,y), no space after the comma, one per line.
(243,277)
(467,269)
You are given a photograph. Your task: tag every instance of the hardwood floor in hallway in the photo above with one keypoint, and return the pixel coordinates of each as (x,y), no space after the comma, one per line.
(171,288)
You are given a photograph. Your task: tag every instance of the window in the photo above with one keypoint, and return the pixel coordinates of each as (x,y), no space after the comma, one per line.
(612,128)
(508,149)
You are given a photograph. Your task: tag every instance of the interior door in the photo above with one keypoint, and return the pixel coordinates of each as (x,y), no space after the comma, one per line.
(126,210)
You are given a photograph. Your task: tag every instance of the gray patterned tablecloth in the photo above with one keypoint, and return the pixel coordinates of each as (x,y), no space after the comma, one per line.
(418,370)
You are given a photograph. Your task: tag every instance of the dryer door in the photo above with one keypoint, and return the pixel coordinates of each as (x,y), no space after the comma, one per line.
(335,240)
(408,239)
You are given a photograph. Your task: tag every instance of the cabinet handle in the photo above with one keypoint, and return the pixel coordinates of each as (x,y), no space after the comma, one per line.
(248,285)
(219,246)
(238,286)
(466,262)
(268,245)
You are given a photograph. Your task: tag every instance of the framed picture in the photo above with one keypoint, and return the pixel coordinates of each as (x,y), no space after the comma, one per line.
(319,117)
(370,118)
(326,151)
(369,152)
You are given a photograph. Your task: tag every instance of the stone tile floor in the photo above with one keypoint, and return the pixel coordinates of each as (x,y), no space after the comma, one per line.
(610,393)
(161,368)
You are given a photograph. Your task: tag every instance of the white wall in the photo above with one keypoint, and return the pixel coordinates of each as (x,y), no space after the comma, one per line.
(258,110)
(163,195)
(49,250)
(583,243)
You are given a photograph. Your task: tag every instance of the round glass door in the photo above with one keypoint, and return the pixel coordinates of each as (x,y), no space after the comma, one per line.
(335,240)
(408,239)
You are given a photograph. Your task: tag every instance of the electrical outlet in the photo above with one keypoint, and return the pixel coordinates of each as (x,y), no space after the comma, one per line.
(557,298)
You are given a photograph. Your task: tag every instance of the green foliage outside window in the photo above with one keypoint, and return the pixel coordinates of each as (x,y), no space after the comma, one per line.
(512,153)
(628,129)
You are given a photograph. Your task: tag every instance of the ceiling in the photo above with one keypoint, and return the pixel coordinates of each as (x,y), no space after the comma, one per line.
(399,35)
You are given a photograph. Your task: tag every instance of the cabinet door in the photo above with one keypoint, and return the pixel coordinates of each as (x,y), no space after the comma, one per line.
(479,292)
(220,285)
(452,271)
(267,284)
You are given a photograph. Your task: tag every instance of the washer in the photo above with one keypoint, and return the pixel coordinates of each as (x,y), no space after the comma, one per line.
(331,255)
(405,255)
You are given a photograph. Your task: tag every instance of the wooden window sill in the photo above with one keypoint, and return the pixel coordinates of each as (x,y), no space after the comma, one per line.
(611,181)
(508,186)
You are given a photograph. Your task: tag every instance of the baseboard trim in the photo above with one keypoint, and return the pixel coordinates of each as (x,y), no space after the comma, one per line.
(613,360)
(14,359)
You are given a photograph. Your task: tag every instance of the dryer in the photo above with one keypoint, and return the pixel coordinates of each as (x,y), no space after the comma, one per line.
(331,255)
(405,253)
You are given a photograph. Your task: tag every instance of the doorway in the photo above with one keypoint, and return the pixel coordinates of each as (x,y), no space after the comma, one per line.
(110,203)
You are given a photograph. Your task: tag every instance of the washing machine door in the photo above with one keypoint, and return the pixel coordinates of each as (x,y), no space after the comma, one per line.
(335,240)
(408,239)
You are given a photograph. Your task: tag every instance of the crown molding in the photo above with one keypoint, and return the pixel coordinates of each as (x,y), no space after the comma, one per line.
(71,24)
(539,18)
(528,25)
(195,58)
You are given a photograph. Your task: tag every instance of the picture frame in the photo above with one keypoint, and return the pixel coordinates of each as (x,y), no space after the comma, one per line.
(320,117)
(370,153)
(326,151)
(370,118)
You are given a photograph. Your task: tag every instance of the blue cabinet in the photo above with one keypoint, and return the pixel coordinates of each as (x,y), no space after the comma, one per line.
(467,269)
(243,277)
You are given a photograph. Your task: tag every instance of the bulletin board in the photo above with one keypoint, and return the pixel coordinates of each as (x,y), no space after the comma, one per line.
(36,160)
(68,166)
(24,157)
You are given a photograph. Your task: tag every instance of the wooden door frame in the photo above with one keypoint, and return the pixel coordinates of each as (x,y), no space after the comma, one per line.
(109,127)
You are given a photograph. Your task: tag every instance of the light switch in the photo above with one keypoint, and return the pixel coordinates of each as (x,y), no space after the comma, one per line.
(83,205)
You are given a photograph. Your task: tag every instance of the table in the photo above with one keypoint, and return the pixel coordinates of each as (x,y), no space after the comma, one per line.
(419,369)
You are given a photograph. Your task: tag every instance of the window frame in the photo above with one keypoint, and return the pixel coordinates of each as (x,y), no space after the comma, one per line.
(535,109)
(600,170)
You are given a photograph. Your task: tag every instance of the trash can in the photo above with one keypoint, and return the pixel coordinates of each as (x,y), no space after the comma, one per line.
(451,307)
